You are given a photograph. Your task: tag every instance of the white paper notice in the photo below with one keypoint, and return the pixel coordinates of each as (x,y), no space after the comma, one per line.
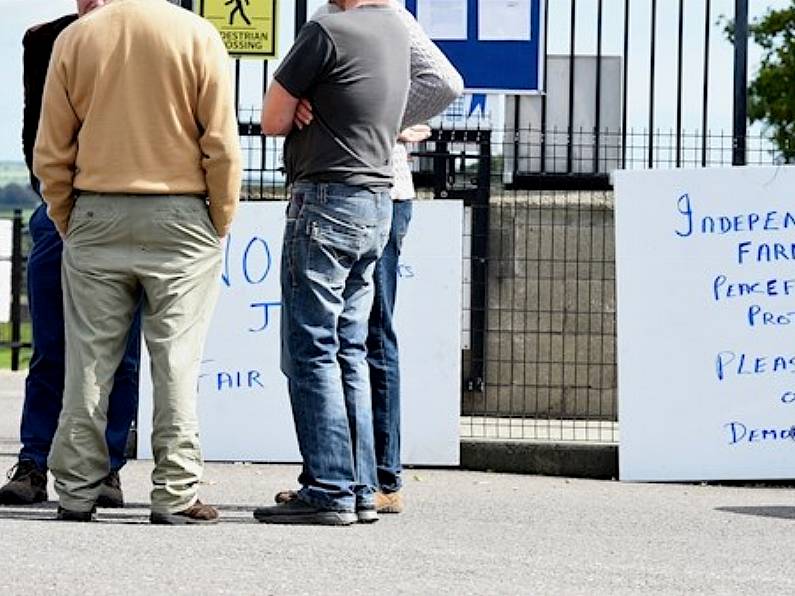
(443,19)
(504,20)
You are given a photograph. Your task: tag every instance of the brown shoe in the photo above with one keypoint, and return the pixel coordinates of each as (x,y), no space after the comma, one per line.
(110,494)
(388,502)
(196,514)
(27,484)
(285,496)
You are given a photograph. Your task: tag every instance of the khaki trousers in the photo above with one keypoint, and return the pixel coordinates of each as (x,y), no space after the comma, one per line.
(119,250)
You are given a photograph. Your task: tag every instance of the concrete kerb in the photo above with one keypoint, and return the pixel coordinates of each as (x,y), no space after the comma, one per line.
(597,461)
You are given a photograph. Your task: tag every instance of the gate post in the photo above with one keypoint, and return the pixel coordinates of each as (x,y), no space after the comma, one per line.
(16,289)
(740,81)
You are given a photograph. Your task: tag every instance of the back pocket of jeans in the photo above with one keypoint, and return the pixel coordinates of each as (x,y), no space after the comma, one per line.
(331,238)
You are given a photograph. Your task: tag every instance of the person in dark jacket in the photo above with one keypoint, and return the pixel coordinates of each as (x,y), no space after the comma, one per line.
(45,382)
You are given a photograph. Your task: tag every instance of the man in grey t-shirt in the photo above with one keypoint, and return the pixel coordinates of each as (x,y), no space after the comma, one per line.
(353,66)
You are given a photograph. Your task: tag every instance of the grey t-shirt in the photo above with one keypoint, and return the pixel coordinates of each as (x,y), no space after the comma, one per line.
(354,68)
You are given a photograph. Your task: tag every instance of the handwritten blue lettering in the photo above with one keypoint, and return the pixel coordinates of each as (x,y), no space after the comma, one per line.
(765,252)
(405,271)
(731,363)
(723,288)
(740,433)
(256,261)
(757,316)
(264,265)
(265,306)
(735,223)
(684,207)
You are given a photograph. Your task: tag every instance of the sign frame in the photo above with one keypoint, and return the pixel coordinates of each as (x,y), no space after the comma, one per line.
(523,70)
(204,7)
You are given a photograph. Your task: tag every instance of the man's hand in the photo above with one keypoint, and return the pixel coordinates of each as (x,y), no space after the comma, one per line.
(303,114)
(415,134)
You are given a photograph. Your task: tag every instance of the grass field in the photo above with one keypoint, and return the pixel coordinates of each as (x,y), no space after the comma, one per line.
(5,359)
(5,352)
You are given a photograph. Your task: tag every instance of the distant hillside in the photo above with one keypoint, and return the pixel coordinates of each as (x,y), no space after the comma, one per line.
(13,172)
(15,191)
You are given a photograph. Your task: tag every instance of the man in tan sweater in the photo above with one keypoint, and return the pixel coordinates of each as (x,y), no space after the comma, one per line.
(139,162)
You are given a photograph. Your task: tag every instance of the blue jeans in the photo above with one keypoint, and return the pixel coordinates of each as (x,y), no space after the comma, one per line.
(333,237)
(45,381)
(382,355)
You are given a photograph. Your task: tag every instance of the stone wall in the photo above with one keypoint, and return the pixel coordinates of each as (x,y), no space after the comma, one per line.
(550,332)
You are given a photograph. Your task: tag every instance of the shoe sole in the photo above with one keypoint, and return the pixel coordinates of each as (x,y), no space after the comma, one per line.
(390,509)
(321,518)
(367,516)
(172,519)
(109,502)
(76,516)
(12,499)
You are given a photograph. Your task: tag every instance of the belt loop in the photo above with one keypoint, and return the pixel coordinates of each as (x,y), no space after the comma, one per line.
(322,190)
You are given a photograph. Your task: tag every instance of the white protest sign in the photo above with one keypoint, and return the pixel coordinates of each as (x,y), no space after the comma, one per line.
(244,408)
(706,320)
(6,238)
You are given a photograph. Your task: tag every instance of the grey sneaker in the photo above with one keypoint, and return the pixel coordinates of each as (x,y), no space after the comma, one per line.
(110,494)
(27,484)
(299,512)
(365,514)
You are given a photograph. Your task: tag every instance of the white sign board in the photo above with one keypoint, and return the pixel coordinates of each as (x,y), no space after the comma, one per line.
(706,320)
(6,238)
(244,408)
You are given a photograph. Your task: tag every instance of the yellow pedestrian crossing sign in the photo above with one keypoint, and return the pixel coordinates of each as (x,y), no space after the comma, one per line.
(248,27)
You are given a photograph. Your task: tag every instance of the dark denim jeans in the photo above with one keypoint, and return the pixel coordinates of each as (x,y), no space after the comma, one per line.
(333,237)
(45,381)
(382,355)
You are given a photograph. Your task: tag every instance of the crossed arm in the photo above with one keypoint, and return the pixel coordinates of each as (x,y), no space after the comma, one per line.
(278,110)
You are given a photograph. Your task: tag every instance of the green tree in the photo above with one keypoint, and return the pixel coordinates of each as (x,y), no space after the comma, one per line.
(771,92)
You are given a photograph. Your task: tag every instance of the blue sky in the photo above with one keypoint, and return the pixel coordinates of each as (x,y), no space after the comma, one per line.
(18,15)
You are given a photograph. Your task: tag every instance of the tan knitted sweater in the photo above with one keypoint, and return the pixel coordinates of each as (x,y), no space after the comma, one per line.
(138,100)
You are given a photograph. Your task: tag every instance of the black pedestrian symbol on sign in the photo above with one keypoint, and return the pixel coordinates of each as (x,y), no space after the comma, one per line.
(237,9)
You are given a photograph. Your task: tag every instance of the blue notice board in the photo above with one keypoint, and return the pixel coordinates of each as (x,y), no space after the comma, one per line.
(473,42)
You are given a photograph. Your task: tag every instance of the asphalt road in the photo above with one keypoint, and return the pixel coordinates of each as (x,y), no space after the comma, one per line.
(462,533)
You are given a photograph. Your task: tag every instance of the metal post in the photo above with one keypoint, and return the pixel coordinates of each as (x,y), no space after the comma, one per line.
(625,80)
(652,57)
(570,140)
(544,94)
(480,251)
(16,289)
(300,15)
(187,4)
(705,91)
(679,57)
(740,81)
(598,90)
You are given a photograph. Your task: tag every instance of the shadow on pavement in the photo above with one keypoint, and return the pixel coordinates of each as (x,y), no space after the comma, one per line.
(778,511)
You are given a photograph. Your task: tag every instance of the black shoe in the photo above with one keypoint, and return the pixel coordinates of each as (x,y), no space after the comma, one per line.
(76,516)
(110,494)
(300,512)
(27,484)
